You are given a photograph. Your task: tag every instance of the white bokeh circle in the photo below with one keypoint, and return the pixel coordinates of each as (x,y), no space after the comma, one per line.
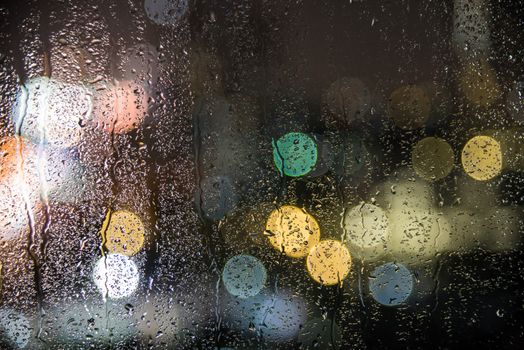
(116,276)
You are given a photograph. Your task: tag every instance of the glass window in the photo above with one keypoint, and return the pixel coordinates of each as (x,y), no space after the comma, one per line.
(198,174)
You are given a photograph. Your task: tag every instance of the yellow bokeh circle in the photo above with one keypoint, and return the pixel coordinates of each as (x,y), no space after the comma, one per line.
(432,158)
(329,262)
(124,232)
(292,231)
(482,158)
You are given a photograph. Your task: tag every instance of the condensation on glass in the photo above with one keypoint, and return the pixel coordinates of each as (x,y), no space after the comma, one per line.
(193,174)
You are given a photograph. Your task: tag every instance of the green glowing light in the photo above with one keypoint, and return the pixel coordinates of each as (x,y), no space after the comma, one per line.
(295,154)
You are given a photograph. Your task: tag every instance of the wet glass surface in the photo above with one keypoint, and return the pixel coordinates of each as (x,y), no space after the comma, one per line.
(191,174)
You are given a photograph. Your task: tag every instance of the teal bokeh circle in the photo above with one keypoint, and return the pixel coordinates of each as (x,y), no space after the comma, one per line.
(295,154)
(244,276)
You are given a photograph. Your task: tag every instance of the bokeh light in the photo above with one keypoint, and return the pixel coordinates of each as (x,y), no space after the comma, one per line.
(116,276)
(409,107)
(405,190)
(482,158)
(329,262)
(295,154)
(120,108)
(280,316)
(292,231)
(19,186)
(432,158)
(391,284)
(366,225)
(180,174)
(52,112)
(124,232)
(30,176)
(418,234)
(8,156)
(244,276)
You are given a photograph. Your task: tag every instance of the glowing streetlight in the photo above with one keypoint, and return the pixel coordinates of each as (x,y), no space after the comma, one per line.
(116,276)
(329,262)
(292,231)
